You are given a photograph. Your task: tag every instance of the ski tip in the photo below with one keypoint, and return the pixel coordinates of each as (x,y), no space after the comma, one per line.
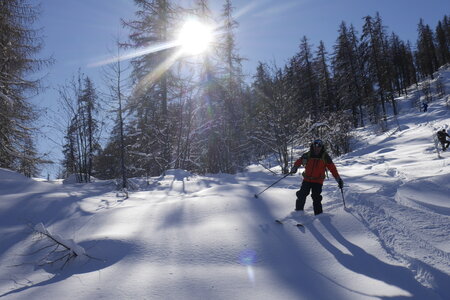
(299,225)
(256,196)
(278,221)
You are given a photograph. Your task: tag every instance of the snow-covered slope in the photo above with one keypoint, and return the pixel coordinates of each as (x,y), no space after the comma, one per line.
(184,236)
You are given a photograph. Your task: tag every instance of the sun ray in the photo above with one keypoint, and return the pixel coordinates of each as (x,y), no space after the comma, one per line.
(194,38)
(153,77)
(137,53)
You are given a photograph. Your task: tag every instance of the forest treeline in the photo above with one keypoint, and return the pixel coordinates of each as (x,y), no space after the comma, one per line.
(201,113)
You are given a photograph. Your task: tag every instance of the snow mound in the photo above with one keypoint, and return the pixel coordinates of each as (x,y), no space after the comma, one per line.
(178,174)
(11,176)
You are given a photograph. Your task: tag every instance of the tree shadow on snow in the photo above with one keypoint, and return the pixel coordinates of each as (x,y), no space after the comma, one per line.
(104,253)
(361,262)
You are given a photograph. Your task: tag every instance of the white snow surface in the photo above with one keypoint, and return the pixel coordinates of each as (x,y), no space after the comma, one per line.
(183,236)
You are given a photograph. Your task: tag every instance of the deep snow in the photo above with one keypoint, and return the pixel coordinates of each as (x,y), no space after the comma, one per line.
(183,236)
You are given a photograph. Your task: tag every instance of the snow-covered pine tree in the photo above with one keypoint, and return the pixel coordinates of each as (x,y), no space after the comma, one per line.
(153,81)
(234,93)
(213,142)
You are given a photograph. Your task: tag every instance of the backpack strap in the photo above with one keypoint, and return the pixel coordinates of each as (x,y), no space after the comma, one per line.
(322,158)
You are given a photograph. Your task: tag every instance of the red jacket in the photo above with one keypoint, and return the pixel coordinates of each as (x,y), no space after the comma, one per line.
(315,166)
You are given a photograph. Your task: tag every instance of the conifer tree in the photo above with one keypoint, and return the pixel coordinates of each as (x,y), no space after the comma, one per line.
(326,91)
(378,57)
(233,79)
(209,148)
(19,43)
(398,63)
(348,75)
(443,43)
(152,78)
(306,80)
(412,68)
(426,52)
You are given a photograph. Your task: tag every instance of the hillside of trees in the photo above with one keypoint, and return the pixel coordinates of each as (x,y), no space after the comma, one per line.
(201,114)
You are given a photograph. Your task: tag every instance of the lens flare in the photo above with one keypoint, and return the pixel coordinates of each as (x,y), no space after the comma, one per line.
(248,258)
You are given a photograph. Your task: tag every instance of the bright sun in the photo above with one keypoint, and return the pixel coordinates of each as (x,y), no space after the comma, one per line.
(195,37)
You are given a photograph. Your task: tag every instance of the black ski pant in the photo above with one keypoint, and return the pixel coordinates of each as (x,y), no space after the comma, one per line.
(304,191)
(444,144)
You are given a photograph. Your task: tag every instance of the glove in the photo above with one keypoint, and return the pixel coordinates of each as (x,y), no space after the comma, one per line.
(340,182)
(294,170)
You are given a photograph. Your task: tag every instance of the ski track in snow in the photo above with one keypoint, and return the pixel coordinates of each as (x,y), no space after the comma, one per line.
(402,233)
(414,233)
(408,213)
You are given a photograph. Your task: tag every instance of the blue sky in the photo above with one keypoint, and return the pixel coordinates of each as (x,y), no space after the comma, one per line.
(80,32)
(272,31)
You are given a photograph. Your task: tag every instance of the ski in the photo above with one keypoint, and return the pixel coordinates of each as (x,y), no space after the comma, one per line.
(297,224)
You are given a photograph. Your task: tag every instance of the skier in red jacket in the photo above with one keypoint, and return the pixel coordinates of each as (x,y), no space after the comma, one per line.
(316,161)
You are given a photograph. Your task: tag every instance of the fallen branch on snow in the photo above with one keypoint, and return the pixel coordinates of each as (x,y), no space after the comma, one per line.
(60,250)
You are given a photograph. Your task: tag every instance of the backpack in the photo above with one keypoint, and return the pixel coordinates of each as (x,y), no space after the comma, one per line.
(322,158)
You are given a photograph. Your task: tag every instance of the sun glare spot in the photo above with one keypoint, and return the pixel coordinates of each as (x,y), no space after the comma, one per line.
(248,258)
(195,37)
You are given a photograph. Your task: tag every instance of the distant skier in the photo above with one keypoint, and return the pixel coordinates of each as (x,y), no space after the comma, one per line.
(425,107)
(442,137)
(316,161)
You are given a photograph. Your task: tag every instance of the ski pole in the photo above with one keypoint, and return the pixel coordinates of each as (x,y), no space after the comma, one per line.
(256,195)
(343,200)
